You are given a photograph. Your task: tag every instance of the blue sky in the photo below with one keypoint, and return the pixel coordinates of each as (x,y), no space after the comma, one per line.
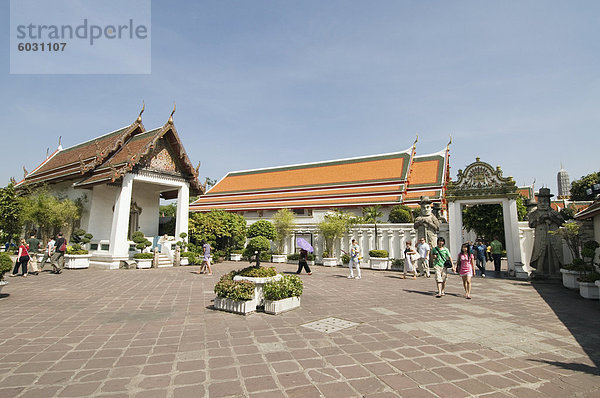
(267,83)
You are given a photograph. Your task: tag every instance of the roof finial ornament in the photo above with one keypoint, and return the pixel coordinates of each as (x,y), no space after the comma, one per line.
(197,169)
(139,119)
(13,181)
(171,117)
(59,140)
(449,142)
(25,172)
(416,140)
(47,152)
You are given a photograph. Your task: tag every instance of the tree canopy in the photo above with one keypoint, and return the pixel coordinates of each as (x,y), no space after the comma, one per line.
(578,187)
(334,226)
(283,221)
(487,220)
(10,213)
(262,228)
(400,214)
(221,229)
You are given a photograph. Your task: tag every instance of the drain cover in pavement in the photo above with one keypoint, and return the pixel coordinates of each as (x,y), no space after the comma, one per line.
(329,325)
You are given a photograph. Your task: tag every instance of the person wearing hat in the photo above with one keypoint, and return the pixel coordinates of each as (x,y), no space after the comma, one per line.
(547,255)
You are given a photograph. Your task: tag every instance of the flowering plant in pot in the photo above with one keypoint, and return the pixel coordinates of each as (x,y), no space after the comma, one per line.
(283,294)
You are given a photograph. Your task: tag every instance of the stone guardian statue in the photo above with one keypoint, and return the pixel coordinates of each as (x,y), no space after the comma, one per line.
(427,225)
(547,255)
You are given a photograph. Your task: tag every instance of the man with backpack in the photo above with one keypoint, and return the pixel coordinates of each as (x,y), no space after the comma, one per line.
(58,258)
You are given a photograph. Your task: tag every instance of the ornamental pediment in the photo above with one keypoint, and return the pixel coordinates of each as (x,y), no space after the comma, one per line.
(481,179)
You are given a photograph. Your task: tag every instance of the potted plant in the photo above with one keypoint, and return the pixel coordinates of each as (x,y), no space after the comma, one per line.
(293,258)
(398,264)
(570,273)
(333,227)
(310,259)
(77,256)
(184,260)
(378,259)
(143,260)
(259,276)
(587,285)
(6,265)
(283,221)
(190,258)
(282,295)
(236,255)
(345,259)
(234,296)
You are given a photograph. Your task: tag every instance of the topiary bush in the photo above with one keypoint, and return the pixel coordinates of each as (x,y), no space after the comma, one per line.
(262,228)
(140,240)
(6,264)
(80,237)
(398,262)
(293,257)
(142,256)
(235,290)
(288,286)
(378,253)
(191,256)
(257,272)
(400,214)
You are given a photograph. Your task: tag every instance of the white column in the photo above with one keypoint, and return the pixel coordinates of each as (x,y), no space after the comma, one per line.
(120,222)
(511,233)
(455,227)
(183,211)
(391,248)
(402,237)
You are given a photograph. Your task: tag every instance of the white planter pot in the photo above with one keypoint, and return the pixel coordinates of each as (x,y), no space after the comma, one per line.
(292,262)
(2,284)
(235,306)
(77,261)
(310,262)
(235,257)
(570,278)
(278,258)
(279,306)
(143,263)
(588,290)
(258,283)
(184,261)
(330,261)
(379,263)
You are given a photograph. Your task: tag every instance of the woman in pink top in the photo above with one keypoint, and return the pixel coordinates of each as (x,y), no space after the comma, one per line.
(465,269)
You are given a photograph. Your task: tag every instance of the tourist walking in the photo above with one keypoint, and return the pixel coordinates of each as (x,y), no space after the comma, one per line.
(48,251)
(354,260)
(480,258)
(205,267)
(424,250)
(465,268)
(441,255)
(409,265)
(22,260)
(33,245)
(58,257)
(303,262)
(496,255)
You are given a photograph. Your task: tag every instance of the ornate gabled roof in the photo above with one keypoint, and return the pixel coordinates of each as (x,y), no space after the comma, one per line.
(361,181)
(481,180)
(109,157)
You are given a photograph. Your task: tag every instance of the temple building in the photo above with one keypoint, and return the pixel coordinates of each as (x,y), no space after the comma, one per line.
(311,190)
(119,178)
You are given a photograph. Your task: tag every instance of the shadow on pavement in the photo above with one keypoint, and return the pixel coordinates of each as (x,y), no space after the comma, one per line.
(3,295)
(579,315)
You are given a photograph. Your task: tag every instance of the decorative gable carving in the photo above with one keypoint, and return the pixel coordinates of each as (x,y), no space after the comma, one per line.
(481,180)
(162,160)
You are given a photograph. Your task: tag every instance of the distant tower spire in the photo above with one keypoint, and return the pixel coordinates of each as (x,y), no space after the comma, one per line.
(564,183)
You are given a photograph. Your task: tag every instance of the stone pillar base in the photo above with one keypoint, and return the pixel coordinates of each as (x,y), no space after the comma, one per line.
(522,271)
(106,261)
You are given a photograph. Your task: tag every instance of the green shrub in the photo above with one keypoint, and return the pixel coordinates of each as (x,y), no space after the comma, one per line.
(293,257)
(288,286)
(591,277)
(6,264)
(258,243)
(378,253)
(76,249)
(398,262)
(237,251)
(191,256)
(400,214)
(80,236)
(257,272)
(140,240)
(235,290)
(262,228)
(310,257)
(345,258)
(326,254)
(143,255)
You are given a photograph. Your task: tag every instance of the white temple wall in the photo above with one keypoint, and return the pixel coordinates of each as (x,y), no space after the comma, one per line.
(102,200)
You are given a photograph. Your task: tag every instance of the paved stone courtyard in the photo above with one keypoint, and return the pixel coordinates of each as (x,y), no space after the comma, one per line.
(152,333)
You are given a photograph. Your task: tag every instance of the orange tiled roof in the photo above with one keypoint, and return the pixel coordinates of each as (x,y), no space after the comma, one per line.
(363,181)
